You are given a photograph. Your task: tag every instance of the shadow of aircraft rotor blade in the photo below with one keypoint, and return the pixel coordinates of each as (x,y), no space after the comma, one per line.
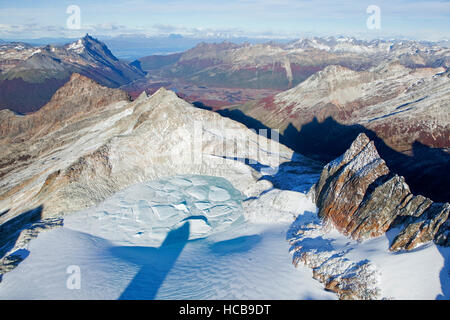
(156,264)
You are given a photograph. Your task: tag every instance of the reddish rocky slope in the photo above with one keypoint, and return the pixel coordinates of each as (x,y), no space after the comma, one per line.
(359,195)
(405,110)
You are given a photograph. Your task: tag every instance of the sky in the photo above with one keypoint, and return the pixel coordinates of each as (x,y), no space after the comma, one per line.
(417,19)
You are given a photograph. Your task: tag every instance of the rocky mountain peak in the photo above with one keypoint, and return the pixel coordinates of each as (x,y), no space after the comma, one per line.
(167,96)
(79,78)
(391,68)
(77,46)
(322,84)
(359,195)
(88,38)
(91,48)
(332,72)
(356,147)
(163,92)
(79,97)
(224,45)
(87,56)
(143,96)
(80,86)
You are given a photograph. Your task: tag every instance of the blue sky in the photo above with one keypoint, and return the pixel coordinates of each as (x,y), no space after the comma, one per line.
(200,18)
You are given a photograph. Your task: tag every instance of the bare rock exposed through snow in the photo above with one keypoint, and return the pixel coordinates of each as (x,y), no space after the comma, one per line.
(431,225)
(350,280)
(362,199)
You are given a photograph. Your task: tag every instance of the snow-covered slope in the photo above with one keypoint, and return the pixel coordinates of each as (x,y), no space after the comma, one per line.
(281,66)
(146,240)
(358,196)
(368,267)
(140,244)
(87,161)
(86,158)
(151,211)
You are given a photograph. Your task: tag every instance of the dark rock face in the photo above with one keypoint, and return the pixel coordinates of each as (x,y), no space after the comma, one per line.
(362,199)
(342,188)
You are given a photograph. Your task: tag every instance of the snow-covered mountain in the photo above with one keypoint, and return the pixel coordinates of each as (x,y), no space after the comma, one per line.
(381,96)
(123,188)
(85,123)
(283,66)
(40,71)
(106,144)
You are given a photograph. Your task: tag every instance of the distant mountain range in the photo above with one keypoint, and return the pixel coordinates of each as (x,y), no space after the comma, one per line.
(30,75)
(134,46)
(284,65)
(242,67)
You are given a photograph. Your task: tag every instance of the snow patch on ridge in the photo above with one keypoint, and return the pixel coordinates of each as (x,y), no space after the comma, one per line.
(77,46)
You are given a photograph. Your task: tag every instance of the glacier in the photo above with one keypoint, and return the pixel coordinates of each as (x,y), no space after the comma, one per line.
(181,237)
(197,237)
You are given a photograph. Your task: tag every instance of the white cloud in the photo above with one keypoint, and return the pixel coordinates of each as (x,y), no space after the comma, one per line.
(200,18)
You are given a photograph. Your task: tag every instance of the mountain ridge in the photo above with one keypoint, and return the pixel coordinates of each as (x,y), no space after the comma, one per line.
(404,110)
(207,63)
(45,68)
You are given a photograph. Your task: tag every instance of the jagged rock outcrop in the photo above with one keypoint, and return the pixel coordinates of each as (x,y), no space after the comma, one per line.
(350,280)
(360,196)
